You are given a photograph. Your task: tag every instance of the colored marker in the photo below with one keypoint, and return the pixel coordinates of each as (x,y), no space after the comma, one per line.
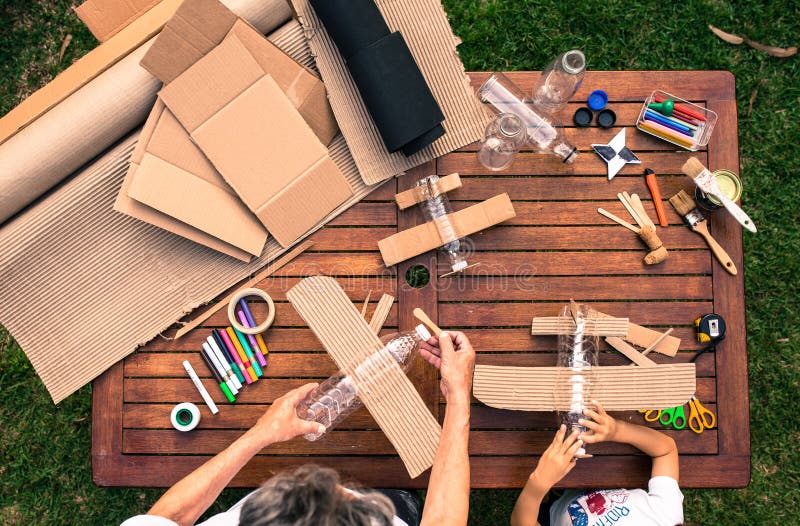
(200,387)
(683,109)
(223,374)
(666,133)
(252,323)
(253,344)
(230,357)
(235,349)
(677,121)
(215,373)
(234,340)
(223,361)
(249,352)
(655,117)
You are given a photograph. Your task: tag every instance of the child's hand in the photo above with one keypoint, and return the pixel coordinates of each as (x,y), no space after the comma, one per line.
(557,460)
(601,426)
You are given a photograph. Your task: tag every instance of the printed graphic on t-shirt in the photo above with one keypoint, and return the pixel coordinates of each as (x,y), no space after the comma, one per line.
(599,508)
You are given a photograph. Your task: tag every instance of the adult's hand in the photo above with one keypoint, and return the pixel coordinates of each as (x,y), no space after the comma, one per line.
(453,355)
(281,423)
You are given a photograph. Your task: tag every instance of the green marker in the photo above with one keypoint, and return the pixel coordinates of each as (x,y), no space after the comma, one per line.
(664,108)
(222,385)
(249,352)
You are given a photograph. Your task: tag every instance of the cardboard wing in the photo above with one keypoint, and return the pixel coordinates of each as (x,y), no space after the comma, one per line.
(390,396)
(246,126)
(415,195)
(618,388)
(422,238)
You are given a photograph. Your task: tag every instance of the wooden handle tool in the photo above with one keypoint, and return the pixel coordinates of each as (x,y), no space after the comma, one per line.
(687,208)
(719,252)
(652,184)
(421,316)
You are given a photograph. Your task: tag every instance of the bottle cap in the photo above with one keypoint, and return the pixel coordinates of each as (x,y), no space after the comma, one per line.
(583,117)
(423,332)
(597,99)
(606,118)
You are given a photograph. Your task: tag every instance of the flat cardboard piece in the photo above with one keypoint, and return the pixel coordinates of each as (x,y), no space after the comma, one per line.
(644,337)
(171,175)
(87,68)
(424,25)
(249,130)
(200,25)
(415,195)
(71,253)
(381,313)
(631,353)
(553,325)
(618,388)
(102,106)
(384,388)
(106,18)
(422,238)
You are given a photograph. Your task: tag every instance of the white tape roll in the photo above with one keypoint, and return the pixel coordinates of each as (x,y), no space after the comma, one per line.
(244,293)
(185,416)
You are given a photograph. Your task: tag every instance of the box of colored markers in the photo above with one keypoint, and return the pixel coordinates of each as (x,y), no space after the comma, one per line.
(676,120)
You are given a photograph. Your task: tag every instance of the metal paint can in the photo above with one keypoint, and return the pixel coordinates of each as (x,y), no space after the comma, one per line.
(729,183)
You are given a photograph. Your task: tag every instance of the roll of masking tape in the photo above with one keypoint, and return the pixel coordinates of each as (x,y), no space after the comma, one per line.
(244,293)
(185,416)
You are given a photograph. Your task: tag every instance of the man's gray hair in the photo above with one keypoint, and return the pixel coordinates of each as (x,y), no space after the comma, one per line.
(312,496)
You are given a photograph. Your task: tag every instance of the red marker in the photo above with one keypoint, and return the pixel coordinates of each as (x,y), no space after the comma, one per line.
(652,184)
(683,109)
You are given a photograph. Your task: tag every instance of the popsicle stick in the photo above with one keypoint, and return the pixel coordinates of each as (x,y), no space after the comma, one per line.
(421,316)
(630,352)
(630,209)
(640,209)
(366,304)
(618,220)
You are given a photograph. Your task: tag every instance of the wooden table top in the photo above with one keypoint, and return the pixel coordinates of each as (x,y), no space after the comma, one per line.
(558,247)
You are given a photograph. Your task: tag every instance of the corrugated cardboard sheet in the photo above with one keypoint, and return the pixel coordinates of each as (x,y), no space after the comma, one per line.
(386,391)
(105,18)
(422,238)
(241,119)
(93,106)
(618,388)
(73,270)
(427,32)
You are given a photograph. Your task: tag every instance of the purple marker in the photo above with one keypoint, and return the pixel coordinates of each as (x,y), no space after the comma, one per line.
(253,344)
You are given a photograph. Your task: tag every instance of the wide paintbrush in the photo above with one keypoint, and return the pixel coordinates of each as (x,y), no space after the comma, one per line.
(687,208)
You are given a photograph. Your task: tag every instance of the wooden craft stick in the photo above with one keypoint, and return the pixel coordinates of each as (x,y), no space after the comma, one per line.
(381,313)
(630,209)
(264,273)
(640,209)
(421,316)
(366,304)
(618,220)
(655,343)
(630,352)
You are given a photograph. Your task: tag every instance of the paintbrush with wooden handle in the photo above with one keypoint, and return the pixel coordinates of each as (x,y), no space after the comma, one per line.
(703,178)
(687,209)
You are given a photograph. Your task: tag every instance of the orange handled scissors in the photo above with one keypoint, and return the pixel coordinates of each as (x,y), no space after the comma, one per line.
(651,415)
(700,418)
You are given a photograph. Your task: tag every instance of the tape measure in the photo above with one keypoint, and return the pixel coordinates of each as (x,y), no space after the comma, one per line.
(710,328)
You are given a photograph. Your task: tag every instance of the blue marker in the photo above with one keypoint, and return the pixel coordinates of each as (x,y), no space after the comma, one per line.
(652,116)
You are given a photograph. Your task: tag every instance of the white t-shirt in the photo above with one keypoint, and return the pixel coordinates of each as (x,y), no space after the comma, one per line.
(228,518)
(661,505)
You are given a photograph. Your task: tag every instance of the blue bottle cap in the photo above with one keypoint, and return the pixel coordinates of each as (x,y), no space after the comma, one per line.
(597,99)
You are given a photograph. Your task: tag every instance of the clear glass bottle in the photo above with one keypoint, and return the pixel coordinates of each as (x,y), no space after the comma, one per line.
(577,355)
(337,397)
(504,137)
(559,81)
(544,131)
(436,207)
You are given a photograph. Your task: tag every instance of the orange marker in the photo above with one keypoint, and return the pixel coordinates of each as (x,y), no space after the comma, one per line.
(652,184)
(242,355)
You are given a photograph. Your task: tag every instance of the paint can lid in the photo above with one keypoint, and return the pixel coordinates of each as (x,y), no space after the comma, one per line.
(597,99)
(606,118)
(729,183)
(583,117)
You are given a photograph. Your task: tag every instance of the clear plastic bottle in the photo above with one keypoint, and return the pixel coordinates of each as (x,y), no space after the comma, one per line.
(504,137)
(544,131)
(577,355)
(559,81)
(337,397)
(436,208)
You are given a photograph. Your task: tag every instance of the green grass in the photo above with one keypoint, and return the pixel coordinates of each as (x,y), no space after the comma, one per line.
(45,469)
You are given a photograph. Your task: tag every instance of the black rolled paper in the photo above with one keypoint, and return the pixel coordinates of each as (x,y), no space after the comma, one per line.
(393,89)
